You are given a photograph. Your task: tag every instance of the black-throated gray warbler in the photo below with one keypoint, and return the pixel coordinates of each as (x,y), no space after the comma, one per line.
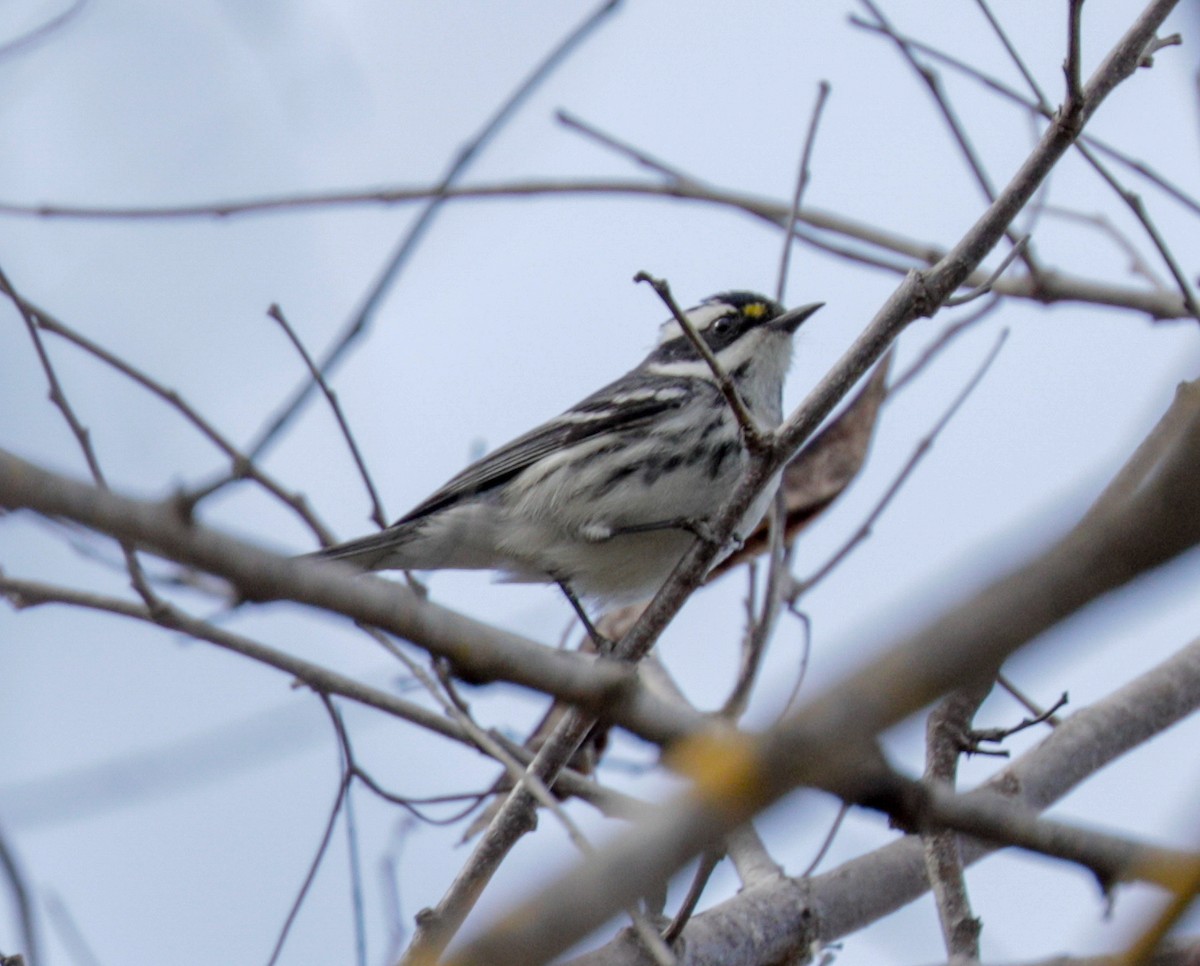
(605,498)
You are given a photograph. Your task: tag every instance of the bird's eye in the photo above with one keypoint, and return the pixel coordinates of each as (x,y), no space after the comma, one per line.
(723,326)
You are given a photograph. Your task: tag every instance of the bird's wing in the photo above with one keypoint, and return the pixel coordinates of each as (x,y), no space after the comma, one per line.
(623,405)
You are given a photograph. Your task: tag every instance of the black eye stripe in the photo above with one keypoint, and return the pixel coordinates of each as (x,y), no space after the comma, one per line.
(729,317)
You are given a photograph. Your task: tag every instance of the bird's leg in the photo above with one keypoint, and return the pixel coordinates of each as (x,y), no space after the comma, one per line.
(603,644)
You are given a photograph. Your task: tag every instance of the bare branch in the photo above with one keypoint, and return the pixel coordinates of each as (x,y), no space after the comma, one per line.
(922,449)
(377,514)
(477,650)
(636,155)
(241,465)
(1135,204)
(361,321)
(945,731)
(736,776)
(1072,67)
(1050,287)
(986,288)
(802,177)
(752,434)
(19,887)
(326,836)
(792,914)
(957,129)
(36,36)
(1013,55)
(137,577)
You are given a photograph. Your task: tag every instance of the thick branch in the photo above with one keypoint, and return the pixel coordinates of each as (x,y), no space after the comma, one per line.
(478,650)
(737,778)
(791,915)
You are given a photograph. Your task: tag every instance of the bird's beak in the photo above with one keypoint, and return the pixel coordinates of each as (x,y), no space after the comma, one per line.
(790,321)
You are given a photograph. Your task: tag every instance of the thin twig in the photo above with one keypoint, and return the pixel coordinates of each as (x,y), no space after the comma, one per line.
(1050,289)
(1103,224)
(326,837)
(361,321)
(827,843)
(1072,68)
(708,865)
(1011,50)
(938,345)
(1025,701)
(802,178)
(1135,204)
(997,735)
(635,154)
(752,435)
(987,286)
(18,887)
(758,634)
(393,910)
(377,514)
(83,437)
(241,465)
(70,935)
(924,445)
(805,656)
(37,35)
(356,771)
(957,129)
(1043,108)
(346,756)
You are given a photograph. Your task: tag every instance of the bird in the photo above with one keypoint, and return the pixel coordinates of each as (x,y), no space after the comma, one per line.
(607,497)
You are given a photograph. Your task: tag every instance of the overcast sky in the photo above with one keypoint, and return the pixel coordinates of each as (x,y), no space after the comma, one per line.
(169,797)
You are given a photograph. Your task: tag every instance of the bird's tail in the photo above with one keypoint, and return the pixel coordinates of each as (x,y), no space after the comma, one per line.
(366,552)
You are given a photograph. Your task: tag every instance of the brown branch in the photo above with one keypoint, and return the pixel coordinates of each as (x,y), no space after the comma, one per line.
(241,466)
(957,129)
(58,396)
(361,320)
(920,451)
(477,650)
(737,776)
(377,514)
(32,38)
(945,737)
(27,593)
(798,914)
(802,179)
(1051,287)
(752,433)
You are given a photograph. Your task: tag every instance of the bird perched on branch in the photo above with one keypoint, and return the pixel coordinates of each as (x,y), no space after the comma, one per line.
(606,498)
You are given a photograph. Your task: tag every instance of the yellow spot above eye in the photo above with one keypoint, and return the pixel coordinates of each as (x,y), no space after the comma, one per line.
(755,310)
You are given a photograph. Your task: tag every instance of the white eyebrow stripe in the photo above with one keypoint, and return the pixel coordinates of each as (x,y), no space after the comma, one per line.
(701,317)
